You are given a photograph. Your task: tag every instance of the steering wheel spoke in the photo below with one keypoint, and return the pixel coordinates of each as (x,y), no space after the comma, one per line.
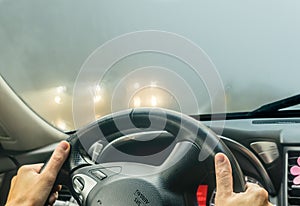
(180,167)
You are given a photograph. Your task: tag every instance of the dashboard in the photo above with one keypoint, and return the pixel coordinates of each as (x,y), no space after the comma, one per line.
(267,150)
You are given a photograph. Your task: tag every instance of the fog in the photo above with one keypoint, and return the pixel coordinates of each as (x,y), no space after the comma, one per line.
(254,45)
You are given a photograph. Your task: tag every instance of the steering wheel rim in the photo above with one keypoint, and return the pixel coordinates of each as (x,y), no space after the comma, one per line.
(192,137)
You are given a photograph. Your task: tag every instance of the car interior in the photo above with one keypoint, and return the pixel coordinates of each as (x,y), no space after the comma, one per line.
(120,82)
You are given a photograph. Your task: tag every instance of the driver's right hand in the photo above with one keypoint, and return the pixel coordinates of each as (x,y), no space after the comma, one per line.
(253,196)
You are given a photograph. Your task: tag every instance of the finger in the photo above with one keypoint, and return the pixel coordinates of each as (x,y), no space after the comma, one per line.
(252,186)
(258,193)
(223,175)
(53,197)
(12,185)
(57,159)
(12,182)
(57,188)
(29,168)
(37,167)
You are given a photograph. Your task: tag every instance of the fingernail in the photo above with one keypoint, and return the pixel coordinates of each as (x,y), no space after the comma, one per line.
(64,145)
(220,158)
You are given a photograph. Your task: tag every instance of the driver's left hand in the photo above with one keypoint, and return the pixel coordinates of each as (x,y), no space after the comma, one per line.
(32,187)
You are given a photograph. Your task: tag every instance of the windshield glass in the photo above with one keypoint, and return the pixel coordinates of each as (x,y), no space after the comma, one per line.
(62,57)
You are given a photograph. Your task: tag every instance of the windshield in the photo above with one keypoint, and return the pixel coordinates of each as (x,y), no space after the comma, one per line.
(66,57)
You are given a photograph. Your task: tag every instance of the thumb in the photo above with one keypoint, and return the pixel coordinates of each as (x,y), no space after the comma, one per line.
(223,175)
(56,161)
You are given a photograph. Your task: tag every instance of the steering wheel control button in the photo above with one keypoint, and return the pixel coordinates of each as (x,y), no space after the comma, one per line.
(78,184)
(267,151)
(100,175)
(80,198)
(82,184)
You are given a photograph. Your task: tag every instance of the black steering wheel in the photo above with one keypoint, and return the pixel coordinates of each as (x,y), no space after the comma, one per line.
(190,162)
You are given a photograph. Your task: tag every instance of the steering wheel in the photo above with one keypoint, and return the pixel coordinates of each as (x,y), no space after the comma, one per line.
(190,162)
